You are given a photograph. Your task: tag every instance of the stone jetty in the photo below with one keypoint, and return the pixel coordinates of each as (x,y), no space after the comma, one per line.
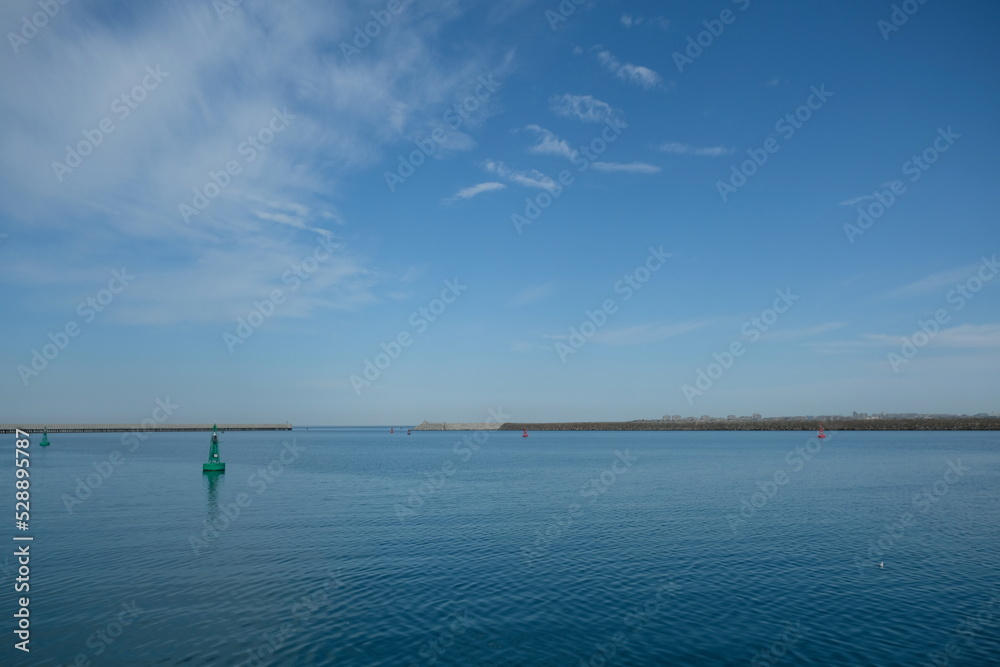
(146,427)
(457,426)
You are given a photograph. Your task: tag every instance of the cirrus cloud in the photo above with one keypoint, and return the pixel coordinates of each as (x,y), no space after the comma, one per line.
(473,190)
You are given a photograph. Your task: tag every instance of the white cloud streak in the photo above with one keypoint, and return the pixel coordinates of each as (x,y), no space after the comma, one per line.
(550,144)
(584,108)
(531,294)
(645,333)
(531,178)
(634,74)
(626,167)
(472,191)
(935,282)
(677,148)
(795,334)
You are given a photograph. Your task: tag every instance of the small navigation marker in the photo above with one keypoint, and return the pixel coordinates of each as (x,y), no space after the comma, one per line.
(214,464)
(45,438)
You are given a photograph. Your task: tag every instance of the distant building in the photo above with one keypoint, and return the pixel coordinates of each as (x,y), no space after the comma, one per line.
(731,417)
(756,416)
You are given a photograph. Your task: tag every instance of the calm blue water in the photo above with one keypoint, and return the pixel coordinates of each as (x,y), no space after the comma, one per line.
(559,549)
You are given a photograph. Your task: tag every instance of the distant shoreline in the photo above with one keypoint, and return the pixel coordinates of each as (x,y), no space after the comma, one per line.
(920,424)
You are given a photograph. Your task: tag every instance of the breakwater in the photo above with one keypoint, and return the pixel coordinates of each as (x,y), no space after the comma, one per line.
(147,427)
(457,426)
(919,424)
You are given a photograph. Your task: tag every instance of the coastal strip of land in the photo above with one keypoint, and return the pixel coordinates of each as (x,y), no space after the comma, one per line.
(146,427)
(916,424)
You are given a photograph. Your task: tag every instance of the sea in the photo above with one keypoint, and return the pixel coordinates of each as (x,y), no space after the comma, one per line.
(361,546)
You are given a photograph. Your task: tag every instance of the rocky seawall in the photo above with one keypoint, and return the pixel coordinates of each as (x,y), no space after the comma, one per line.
(148,426)
(926,424)
(457,426)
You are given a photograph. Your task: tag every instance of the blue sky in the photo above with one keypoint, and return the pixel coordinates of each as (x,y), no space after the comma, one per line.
(508,168)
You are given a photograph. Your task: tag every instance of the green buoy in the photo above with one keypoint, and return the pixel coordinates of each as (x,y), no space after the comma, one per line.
(45,438)
(214,464)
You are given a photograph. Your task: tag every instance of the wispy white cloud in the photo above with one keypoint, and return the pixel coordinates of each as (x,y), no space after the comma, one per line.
(641,76)
(984,336)
(645,333)
(639,334)
(677,148)
(531,294)
(283,218)
(795,334)
(550,144)
(296,219)
(863,198)
(935,282)
(628,20)
(531,178)
(626,167)
(856,200)
(294,208)
(412,273)
(217,88)
(225,283)
(525,346)
(867,341)
(472,191)
(963,336)
(584,108)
